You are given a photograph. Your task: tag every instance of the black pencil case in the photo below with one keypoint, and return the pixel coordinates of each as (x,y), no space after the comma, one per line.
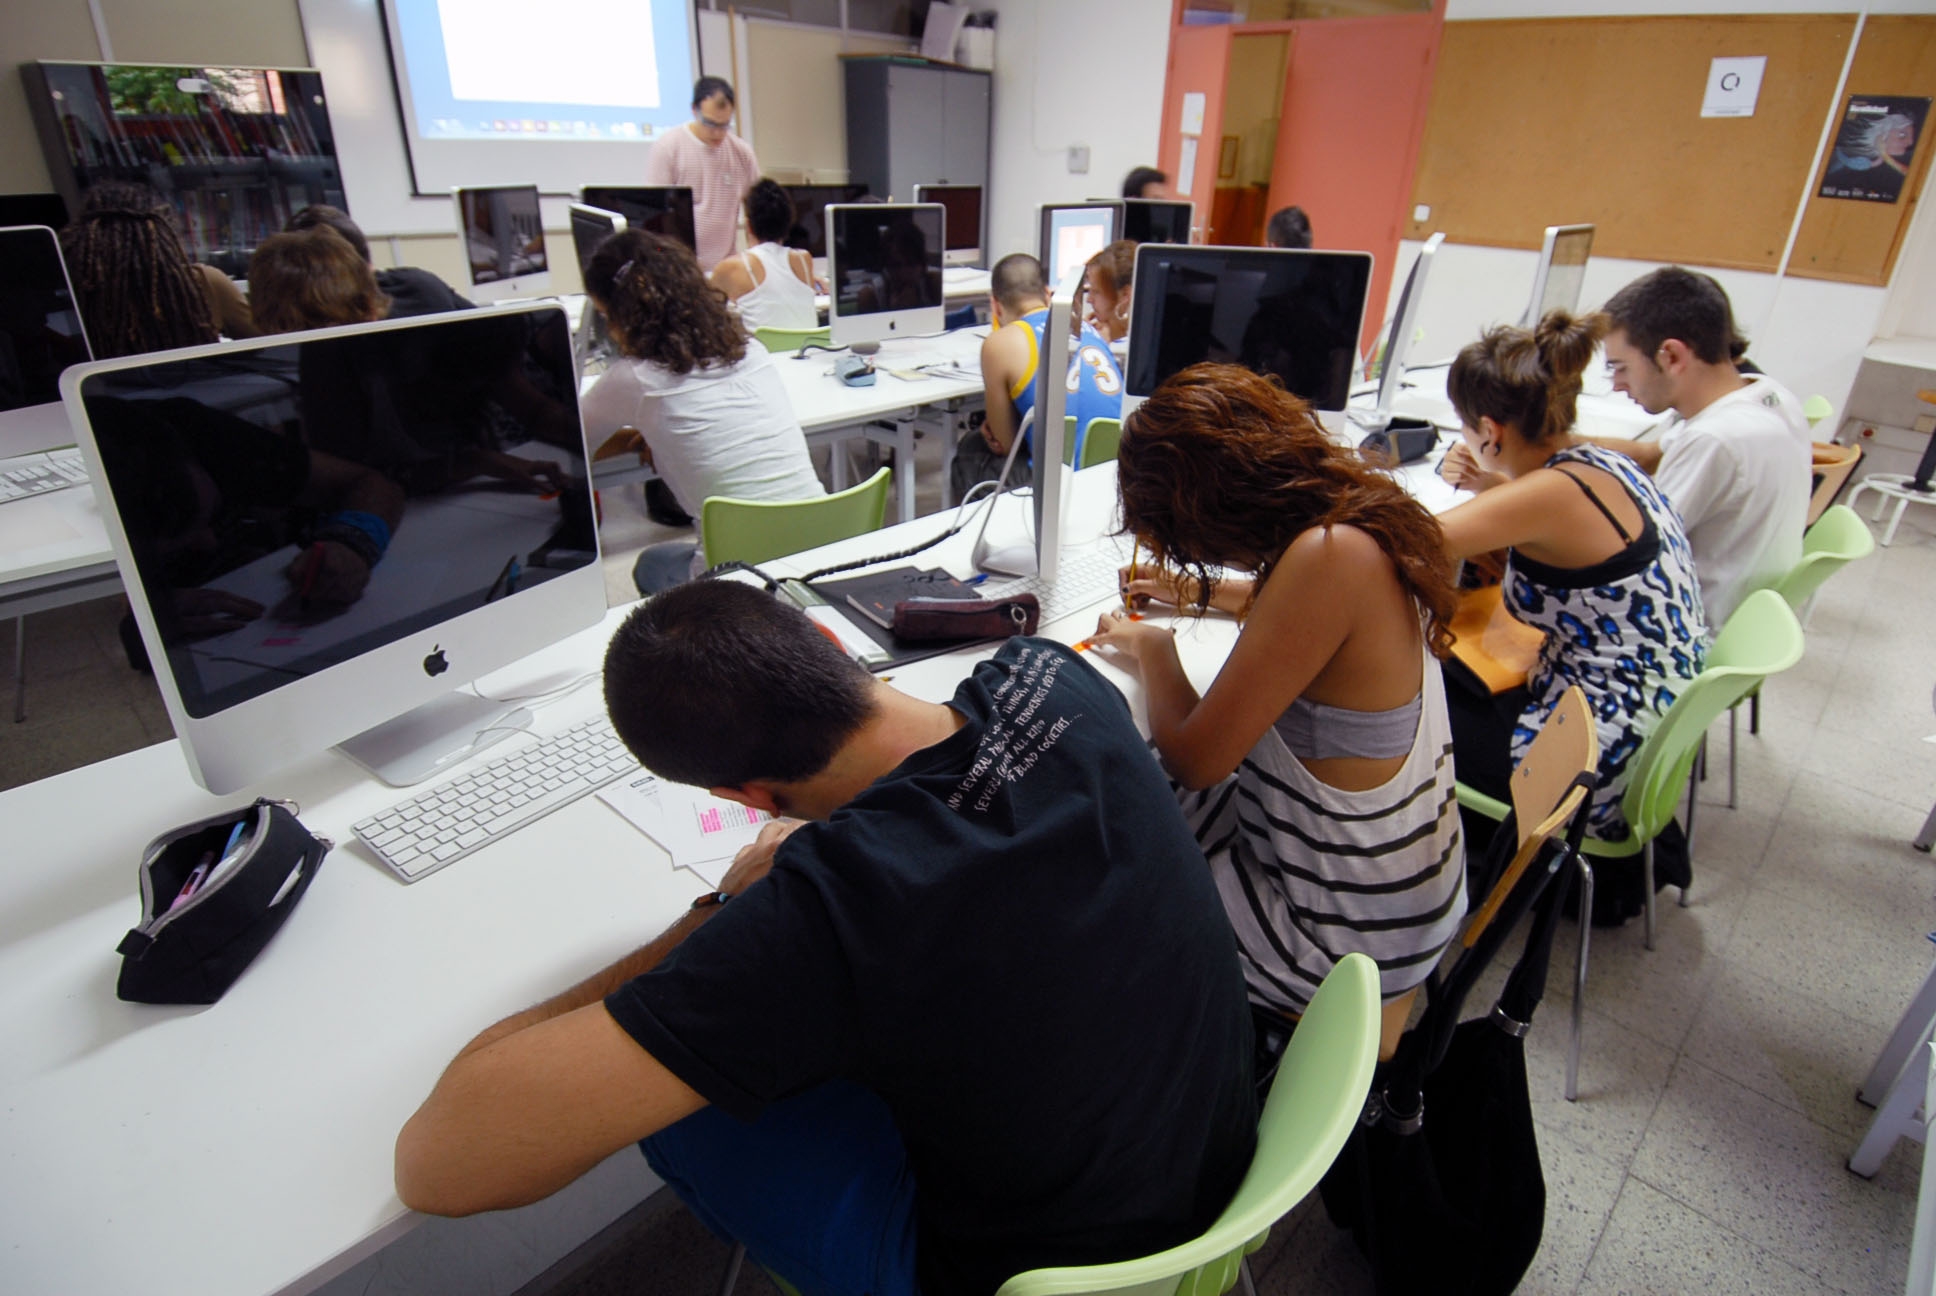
(254,865)
(918,619)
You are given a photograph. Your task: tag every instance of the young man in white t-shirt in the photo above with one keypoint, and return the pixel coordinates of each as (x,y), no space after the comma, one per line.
(1735,458)
(716,164)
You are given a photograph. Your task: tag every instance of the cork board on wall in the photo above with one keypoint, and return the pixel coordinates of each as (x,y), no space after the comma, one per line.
(1857,242)
(1552,121)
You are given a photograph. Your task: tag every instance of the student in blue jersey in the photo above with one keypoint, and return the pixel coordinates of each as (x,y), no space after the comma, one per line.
(980,1014)
(1316,770)
(1019,305)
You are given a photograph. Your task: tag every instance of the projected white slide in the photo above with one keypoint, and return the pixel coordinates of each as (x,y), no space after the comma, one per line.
(590,52)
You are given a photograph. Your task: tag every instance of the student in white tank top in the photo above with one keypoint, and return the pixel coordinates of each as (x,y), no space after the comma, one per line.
(770,285)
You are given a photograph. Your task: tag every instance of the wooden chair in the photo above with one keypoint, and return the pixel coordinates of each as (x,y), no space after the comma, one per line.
(1834,464)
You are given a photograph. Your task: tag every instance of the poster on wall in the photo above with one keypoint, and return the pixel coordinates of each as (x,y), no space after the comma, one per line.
(1875,147)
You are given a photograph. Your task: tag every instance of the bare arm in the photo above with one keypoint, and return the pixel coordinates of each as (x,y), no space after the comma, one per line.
(1301,619)
(1004,358)
(730,277)
(543,1096)
(1528,510)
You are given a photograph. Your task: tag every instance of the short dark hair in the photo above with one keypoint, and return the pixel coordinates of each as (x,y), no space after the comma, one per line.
(1681,304)
(1141,178)
(716,684)
(336,218)
(1528,379)
(1289,228)
(769,212)
(659,305)
(1017,280)
(312,279)
(708,86)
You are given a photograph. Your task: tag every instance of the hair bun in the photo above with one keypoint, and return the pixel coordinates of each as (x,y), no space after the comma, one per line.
(1566,342)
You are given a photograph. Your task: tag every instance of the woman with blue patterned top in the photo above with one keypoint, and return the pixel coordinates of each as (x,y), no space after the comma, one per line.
(1598,559)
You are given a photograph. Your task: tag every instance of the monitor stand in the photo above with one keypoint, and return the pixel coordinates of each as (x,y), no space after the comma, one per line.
(435,736)
(864,348)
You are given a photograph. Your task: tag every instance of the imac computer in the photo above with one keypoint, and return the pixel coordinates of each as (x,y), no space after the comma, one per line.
(1398,341)
(504,248)
(40,336)
(1296,314)
(963,205)
(1561,272)
(590,226)
(884,272)
(1044,431)
(662,209)
(1074,232)
(810,203)
(324,537)
(1158,220)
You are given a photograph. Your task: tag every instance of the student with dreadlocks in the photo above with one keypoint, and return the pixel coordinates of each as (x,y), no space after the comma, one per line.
(138,289)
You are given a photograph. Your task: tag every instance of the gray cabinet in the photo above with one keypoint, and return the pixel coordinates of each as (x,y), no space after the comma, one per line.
(910,122)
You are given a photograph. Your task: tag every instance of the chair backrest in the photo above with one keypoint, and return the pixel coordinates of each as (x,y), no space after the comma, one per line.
(1762,638)
(1101,441)
(1838,538)
(1546,793)
(1833,466)
(781,339)
(1314,1104)
(736,530)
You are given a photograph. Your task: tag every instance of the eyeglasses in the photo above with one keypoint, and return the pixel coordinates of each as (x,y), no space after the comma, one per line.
(710,124)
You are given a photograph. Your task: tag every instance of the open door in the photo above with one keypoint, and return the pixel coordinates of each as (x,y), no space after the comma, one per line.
(1199,66)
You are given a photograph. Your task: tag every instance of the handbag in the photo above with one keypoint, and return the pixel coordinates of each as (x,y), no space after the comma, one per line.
(213,894)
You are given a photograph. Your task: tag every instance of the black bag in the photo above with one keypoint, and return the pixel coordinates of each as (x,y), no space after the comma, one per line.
(1440,1184)
(212,895)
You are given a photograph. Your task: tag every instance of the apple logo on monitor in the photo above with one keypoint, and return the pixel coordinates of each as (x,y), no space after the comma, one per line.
(435,664)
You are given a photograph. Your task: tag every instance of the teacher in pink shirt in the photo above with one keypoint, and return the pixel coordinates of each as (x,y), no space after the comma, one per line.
(716,164)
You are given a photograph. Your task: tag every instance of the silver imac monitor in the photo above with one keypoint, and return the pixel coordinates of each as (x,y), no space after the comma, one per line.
(1044,432)
(590,226)
(1296,314)
(661,209)
(1074,232)
(1561,271)
(324,538)
(884,272)
(503,236)
(1158,220)
(1398,342)
(810,203)
(962,203)
(40,336)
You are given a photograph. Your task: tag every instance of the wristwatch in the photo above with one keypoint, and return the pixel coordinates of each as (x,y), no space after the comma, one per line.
(711,898)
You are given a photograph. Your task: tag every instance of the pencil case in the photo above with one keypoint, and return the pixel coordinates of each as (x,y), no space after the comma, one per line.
(922,618)
(213,894)
(1402,441)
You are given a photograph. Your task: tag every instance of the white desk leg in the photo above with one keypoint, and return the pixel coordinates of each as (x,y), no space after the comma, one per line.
(1896,1117)
(1910,1034)
(1922,1244)
(1927,837)
(904,467)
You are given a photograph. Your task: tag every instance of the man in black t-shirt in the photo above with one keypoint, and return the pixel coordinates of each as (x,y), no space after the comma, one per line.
(982,1014)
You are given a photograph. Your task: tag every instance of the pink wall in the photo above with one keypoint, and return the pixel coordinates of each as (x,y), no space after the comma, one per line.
(1199,62)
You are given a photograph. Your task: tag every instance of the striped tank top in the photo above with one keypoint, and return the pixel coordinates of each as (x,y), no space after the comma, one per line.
(1310,873)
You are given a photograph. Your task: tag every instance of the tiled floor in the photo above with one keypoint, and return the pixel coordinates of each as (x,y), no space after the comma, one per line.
(1717,1089)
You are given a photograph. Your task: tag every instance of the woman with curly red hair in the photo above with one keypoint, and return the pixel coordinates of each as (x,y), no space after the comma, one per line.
(1317,769)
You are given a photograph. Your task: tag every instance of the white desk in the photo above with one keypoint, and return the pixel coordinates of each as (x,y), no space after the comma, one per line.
(959,287)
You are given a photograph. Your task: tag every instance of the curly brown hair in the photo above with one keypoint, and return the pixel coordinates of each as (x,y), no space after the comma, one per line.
(312,279)
(1223,467)
(659,305)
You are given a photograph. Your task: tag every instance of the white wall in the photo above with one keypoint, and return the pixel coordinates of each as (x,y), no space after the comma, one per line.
(1100,84)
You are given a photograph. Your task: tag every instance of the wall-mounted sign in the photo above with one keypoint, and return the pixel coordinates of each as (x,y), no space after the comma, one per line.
(1733,85)
(1875,147)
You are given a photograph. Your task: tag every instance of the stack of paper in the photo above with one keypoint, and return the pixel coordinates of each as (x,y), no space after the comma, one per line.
(701,832)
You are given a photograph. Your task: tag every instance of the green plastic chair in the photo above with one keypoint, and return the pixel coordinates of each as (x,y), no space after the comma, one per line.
(777,340)
(1096,445)
(1762,638)
(1816,408)
(752,531)
(1838,538)
(1314,1104)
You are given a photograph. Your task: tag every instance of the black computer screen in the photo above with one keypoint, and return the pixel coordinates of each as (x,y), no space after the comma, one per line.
(665,210)
(40,328)
(48,209)
(588,230)
(962,203)
(1293,314)
(292,505)
(888,258)
(809,232)
(1148,220)
(503,232)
